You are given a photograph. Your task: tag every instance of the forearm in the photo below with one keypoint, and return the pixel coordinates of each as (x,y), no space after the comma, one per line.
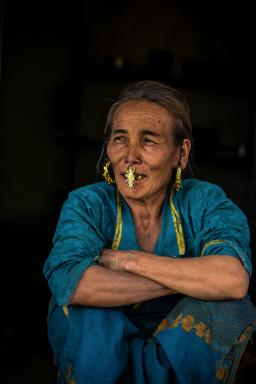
(103,287)
(209,278)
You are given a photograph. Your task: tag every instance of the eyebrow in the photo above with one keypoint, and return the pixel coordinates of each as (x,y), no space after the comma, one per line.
(144,132)
(119,131)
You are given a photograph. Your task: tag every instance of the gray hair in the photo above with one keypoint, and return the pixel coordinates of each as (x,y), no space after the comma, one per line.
(162,94)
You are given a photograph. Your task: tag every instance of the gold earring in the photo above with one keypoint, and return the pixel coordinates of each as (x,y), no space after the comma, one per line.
(178,182)
(106,175)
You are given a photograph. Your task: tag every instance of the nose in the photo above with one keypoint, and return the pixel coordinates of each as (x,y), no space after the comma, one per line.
(133,155)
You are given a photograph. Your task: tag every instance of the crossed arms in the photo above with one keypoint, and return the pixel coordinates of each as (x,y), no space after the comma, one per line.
(128,277)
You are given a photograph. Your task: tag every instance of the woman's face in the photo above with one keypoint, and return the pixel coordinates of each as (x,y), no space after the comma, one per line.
(142,136)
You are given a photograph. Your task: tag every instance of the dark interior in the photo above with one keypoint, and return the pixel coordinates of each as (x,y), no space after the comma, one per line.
(62,64)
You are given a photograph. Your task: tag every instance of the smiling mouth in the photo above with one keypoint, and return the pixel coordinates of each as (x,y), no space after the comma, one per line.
(139,177)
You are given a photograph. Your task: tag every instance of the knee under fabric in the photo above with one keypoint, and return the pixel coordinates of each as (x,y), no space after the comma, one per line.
(195,340)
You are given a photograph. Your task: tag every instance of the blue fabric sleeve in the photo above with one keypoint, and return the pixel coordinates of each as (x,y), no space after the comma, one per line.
(76,243)
(223,228)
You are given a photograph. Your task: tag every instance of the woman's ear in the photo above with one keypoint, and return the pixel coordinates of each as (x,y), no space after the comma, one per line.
(184,154)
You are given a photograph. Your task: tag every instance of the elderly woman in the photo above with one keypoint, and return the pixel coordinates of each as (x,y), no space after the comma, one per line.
(149,273)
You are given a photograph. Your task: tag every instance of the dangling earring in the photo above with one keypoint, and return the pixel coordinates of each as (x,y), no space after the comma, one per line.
(106,175)
(178,182)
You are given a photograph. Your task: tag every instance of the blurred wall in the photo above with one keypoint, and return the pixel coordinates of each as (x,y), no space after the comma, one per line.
(57,55)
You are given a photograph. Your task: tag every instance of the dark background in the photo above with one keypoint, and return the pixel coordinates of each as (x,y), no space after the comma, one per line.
(62,65)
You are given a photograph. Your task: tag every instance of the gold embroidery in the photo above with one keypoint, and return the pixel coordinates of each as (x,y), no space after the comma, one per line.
(65,310)
(209,243)
(176,322)
(119,224)
(165,324)
(221,374)
(200,329)
(187,323)
(177,227)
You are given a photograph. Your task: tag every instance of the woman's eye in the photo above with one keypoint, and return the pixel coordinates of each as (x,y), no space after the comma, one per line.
(119,139)
(148,141)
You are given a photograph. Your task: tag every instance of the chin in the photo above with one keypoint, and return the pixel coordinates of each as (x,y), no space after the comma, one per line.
(129,192)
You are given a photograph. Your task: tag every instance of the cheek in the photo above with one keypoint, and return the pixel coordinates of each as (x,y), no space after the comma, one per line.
(113,153)
(165,164)
(110,153)
(167,167)
(114,157)
(109,150)
(165,172)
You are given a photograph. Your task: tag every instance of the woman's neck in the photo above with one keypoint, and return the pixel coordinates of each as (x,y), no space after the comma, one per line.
(147,216)
(147,211)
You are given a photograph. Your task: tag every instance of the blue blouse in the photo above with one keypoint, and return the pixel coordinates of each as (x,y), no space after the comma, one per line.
(198,220)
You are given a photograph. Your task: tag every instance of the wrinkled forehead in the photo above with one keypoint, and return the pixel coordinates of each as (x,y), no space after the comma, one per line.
(142,113)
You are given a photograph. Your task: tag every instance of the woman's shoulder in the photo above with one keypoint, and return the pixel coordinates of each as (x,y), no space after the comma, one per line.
(198,195)
(197,192)
(100,189)
(203,187)
(94,195)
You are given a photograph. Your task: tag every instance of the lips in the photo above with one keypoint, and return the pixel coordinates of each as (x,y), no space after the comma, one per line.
(138,176)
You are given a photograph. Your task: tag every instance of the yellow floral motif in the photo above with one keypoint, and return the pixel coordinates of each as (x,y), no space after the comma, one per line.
(200,329)
(208,336)
(221,374)
(187,323)
(176,322)
(164,324)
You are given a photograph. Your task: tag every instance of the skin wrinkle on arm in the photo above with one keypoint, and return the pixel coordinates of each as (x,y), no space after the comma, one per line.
(213,277)
(103,287)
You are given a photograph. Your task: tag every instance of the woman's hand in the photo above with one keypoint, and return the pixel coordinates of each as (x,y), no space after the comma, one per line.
(213,277)
(115,259)
(118,260)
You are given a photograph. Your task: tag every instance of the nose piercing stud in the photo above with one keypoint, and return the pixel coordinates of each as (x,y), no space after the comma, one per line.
(130,176)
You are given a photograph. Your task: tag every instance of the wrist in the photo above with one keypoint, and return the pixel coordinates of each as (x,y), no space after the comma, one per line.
(128,263)
(136,262)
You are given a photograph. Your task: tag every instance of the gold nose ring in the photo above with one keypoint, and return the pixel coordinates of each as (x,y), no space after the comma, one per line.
(130,176)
